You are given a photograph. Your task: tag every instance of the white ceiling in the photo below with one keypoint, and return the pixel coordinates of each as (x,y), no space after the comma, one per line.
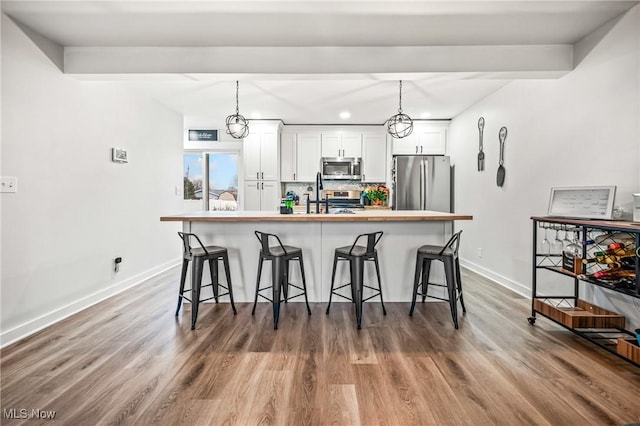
(292,57)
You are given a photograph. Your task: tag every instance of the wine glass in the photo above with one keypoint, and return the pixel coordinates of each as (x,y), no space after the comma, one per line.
(556,245)
(545,247)
(566,241)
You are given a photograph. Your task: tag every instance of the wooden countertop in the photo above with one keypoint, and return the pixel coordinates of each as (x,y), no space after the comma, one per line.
(359,216)
(612,224)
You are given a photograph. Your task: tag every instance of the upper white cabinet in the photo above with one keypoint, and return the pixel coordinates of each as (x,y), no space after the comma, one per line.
(299,156)
(307,157)
(425,140)
(374,157)
(341,144)
(260,153)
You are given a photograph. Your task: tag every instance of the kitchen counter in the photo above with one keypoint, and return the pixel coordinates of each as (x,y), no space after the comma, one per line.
(366,215)
(319,235)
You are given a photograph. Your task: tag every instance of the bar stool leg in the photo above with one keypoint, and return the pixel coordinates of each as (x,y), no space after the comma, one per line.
(304,283)
(333,279)
(196,283)
(255,301)
(375,260)
(285,281)
(416,283)
(357,266)
(213,271)
(451,287)
(276,276)
(183,278)
(225,260)
(426,271)
(459,285)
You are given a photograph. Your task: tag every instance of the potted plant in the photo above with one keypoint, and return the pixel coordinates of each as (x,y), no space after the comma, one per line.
(377,194)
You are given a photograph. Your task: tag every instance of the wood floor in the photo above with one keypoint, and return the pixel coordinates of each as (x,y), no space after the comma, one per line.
(129,361)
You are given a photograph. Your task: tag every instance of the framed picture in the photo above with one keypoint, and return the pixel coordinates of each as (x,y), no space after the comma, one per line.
(203,135)
(586,202)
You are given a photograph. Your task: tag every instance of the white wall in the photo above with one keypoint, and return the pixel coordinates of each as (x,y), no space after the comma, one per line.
(76,210)
(582,129)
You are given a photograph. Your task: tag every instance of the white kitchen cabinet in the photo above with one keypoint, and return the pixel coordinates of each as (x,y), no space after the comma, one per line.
(339,144)
(260,153)
(261,195)
(299,157)
(423,141)
(307,156)
(374,157)
(288,172)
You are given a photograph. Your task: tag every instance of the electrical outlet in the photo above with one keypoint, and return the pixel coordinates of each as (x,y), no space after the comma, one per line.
(479,252)
(8,184)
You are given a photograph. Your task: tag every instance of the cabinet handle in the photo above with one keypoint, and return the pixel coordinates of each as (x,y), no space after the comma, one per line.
(258,185)
(364,177)
(262,175)
(262,185)
(416,149)
(257,175)
(294,176)
(421,150)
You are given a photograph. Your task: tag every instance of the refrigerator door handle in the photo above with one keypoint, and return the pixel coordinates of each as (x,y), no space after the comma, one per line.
(422,189)
(426,184)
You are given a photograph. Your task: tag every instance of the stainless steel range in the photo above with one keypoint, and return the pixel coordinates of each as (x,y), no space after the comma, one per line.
(343,199)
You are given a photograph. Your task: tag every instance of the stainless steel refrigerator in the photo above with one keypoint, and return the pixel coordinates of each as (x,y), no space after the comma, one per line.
(421,182)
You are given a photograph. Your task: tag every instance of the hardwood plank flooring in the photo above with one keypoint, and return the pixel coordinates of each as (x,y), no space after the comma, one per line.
(129,361)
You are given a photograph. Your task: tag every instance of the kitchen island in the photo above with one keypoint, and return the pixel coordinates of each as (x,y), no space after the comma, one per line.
(318,235)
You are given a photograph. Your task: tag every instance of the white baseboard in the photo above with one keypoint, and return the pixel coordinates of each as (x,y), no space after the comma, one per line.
(499,279)
(10,336)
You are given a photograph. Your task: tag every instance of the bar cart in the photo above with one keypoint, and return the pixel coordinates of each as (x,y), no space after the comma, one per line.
(609,259)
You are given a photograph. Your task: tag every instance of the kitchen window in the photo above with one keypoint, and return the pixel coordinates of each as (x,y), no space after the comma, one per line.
(210,179)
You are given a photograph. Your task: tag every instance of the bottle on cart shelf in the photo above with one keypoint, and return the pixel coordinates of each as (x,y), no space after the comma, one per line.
(614,273)
(572,256)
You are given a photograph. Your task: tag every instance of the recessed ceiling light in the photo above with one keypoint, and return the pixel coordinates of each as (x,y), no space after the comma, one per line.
(425,115)
(256,115)
(345,114)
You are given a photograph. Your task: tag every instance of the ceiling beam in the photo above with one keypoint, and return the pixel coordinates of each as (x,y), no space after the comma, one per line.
(516,60)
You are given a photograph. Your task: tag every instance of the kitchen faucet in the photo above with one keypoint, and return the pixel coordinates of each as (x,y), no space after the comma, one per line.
(318,188)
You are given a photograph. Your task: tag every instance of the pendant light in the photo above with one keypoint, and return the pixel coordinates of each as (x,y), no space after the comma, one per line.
(237,125)
(400,125)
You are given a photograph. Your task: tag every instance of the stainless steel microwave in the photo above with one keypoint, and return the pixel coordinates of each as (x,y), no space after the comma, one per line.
(341,168)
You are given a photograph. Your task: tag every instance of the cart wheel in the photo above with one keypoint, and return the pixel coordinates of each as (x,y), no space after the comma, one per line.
(532,320)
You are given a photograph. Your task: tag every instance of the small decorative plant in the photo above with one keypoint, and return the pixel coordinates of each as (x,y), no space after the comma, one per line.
(378,194)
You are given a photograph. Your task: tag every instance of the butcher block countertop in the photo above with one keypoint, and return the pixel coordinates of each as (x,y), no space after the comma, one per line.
(381,215)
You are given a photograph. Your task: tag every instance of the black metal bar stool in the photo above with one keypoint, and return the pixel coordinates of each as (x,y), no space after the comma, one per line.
(280,256)
(357,255)
(448,255)
(199,255)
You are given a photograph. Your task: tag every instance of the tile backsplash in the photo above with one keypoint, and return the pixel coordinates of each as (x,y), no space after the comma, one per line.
(300,188)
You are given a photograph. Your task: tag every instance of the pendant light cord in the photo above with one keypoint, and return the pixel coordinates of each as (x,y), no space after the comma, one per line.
(237,107)
(400,107)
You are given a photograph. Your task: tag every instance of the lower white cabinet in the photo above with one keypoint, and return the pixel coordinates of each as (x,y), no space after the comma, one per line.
(261,195)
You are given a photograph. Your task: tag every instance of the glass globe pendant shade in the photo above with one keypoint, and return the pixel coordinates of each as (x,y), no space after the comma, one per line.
(400,125)
(237,125)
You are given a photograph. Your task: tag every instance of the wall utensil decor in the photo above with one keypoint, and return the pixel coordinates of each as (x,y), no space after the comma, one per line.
(502,135)
(481,153)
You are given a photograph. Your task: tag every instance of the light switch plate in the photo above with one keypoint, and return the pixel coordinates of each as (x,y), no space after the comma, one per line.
(8,184)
